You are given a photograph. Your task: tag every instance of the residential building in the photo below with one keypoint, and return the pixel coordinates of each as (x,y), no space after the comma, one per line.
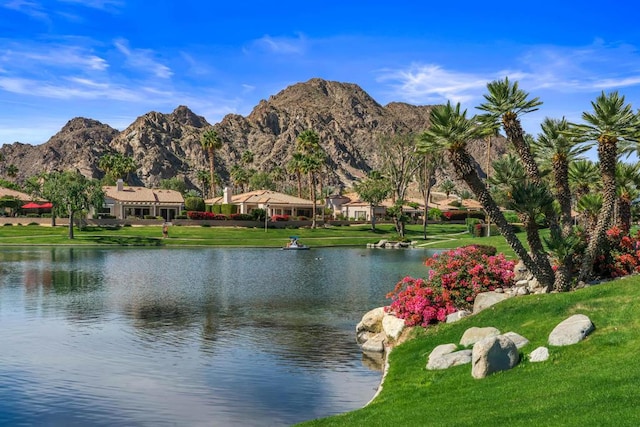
(124,202)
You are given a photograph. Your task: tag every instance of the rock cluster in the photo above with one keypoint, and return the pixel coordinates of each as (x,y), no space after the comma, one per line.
(493,351)
(377,330)
(386,244)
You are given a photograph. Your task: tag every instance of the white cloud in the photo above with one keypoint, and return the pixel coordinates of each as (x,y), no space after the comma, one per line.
(430,83)
(35,58)
(97,4)
(281,45)
(142,60)
(30,8)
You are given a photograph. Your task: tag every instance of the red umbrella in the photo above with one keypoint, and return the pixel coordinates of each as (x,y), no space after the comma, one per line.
(31,205)
(47,205)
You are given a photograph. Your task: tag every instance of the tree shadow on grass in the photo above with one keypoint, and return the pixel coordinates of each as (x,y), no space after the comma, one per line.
(123,240)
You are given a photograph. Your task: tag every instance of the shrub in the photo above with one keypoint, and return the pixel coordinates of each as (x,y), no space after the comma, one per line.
(455,278)
(194,204)
(196,215)
(511,217)
(182,217)
(228,209)
(455,203)
(32,215)
(471,226)
(620,257)
(33,224)
(241,217)
(7,224)
(279,218)
(434,214)
(150,217)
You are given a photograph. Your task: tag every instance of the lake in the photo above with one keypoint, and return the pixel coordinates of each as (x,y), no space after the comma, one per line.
(188,337)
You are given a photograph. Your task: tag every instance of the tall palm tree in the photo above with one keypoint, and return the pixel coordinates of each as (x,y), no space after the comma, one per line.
(506,101)
(610,122)
(450,131)
(204,179)
(311,165)
(294,166)
(277,175)
(447,187)
(554,147)
(211,142)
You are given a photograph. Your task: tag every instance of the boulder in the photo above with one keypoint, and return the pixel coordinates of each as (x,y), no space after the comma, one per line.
(371,321)
(375,344)
(441,350)
(475,334)
(517,339)
(392,326)
(446,361)
(571,330)
(454,317)
(520,272)
(540,354)
(493,354)
(487,299)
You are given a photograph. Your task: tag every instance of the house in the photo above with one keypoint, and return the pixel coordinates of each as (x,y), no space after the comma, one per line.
(272,202)
(140,202)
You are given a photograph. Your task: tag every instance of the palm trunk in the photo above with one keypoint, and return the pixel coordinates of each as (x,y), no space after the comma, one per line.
(312,191)
(461,161)
(299,178)
(624,215)
(212,173)
(607,154)
(563,195)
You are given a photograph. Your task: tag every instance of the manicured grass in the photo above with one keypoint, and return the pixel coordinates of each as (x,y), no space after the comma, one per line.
(219,236)
(594,382)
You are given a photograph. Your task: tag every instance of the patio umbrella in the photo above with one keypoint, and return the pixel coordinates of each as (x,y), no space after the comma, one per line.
(31,205)
(47,205)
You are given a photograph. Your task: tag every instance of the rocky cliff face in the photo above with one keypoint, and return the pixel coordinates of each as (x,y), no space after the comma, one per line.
(348,121)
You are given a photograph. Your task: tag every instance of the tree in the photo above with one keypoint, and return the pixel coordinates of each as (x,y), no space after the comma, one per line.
(277,175)
(628,183)
(247,157)
(611,121)
(117,166)
(204,180)
(556,148)
(373,189)
(429,164)
(400,161)
(294,166)
(311,163)
(450,131)
(447,187)
(70,193)
(240,176)
(211,142)
(176,184)
(12,171)
(261,180)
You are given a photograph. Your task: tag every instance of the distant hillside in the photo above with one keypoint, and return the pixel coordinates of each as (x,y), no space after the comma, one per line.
(348,121)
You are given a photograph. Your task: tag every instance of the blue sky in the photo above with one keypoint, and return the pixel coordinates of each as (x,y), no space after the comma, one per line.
(114,60)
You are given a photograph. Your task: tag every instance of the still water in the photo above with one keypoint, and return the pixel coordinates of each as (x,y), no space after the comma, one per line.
(188,337)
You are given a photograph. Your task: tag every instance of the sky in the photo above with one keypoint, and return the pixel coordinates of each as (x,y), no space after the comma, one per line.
(115,60)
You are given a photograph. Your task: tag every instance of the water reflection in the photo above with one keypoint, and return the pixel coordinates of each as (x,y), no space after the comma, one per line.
(129,336)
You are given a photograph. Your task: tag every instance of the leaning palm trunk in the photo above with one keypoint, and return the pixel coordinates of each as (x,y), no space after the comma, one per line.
(607,153)
(461,160)
(212,173)
(538,253)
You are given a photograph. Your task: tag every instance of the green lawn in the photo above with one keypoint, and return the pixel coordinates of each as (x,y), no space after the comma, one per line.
(224,236)
(593,383)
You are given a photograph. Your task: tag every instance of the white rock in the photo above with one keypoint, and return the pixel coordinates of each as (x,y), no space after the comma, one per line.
(540,354)
(392,326)
(441,350)
(454,317)
(371,321)
(446,361)
(375,344)
(571,330)
(487,299)
(475,334)
(517,339)
(493,354)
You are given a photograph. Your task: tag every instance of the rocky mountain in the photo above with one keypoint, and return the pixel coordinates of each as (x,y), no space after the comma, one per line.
(348,121)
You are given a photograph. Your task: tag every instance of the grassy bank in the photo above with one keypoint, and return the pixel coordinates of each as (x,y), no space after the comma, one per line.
(229,236)
(591,383)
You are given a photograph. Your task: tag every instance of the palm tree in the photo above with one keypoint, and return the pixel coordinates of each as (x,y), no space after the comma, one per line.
(294,166)
(610,122)
(447,187)
(450,131)
(311,165)
(556,148)
(277,175)
(12,171)
(584,176)
(210,142)
(507,172)
(589,206)
(628,182)
(204,178)
(247,157)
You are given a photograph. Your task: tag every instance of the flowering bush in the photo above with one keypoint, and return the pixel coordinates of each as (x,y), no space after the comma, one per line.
(418,303)
(455,278)
(205,215)
(241,217)
(621,257)
(279,217)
